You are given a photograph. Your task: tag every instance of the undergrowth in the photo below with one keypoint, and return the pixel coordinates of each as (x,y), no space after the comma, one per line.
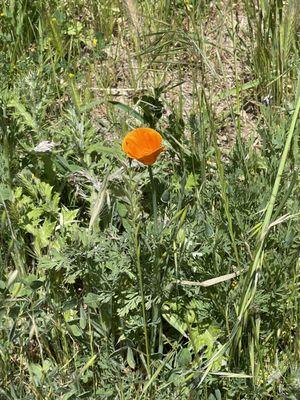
(104,293)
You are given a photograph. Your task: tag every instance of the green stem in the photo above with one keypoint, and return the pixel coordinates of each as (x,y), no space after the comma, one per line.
(223,183)
(252,277)
(154,198)
(141,288)
(282,163)
(134,201)
(156,314)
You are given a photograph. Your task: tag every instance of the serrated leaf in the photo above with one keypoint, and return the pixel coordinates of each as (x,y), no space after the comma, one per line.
(67,216)
(26,116)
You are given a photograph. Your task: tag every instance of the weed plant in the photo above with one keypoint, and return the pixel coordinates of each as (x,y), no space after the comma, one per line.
(178,284)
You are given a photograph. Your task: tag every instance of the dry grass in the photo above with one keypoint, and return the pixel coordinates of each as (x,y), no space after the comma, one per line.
(215,66)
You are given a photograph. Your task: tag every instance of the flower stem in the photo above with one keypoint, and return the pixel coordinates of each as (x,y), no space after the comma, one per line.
(156,312)
(154,198)
(135,214)
(141,288)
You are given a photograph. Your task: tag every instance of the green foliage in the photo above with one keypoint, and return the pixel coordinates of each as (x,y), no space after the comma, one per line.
(106,271)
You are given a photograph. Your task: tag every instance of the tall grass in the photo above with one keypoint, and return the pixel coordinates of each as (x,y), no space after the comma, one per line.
(175,282)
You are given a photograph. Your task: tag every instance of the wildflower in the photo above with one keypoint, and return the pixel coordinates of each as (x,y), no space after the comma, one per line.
(234,283)
(95,41)
(143,144)
(71,76)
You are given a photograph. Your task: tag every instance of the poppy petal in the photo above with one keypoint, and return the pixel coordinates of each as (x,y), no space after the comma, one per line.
(141,142)
(151,158)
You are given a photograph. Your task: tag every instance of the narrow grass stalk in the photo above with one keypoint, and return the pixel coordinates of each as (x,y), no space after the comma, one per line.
(241,152)
(134,203)
(157,307)
(252,275)
(156,373)
(223,183)
(251,280)
(271,204)
(154,198)
(280,170)
(141,288)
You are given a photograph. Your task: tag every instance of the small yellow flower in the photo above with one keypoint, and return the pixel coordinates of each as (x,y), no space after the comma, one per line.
(71,76)
(2,15)
(188,5)
(95,41)
(234,283)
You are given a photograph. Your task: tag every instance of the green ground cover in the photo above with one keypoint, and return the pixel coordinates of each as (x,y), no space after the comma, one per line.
(181,283)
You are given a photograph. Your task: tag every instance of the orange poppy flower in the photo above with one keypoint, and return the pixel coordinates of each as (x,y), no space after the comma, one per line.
(143,144)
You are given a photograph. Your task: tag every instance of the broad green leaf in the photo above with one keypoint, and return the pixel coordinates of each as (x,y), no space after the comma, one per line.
(82,321)
(37,372)
(173,319)
(122,210)
(206,339)
(5,193)
(98,148)
(184,358)
(98,202)
(12,277)
(92,300)
(130,358)
(75,329)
